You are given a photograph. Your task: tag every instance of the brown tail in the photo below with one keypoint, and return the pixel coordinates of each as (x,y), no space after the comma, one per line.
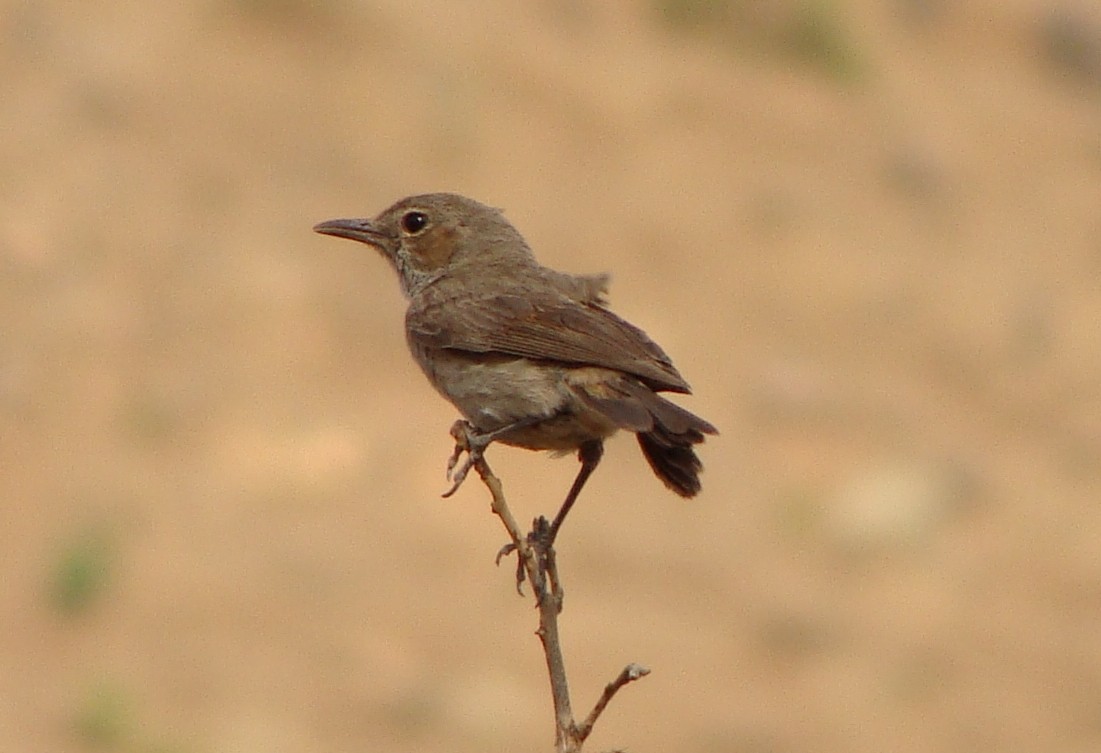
(668,446)
(666,431)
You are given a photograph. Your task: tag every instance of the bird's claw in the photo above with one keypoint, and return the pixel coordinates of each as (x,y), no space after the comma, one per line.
(521,573)
(505,551)
(460,475)
(464,434)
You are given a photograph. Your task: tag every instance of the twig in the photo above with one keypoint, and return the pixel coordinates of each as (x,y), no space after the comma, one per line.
(538,564)
(629,674)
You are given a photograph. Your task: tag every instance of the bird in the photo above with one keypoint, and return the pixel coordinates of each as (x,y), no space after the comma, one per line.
(531,357)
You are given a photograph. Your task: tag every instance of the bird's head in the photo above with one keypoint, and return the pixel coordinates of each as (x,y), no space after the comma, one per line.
(428,236)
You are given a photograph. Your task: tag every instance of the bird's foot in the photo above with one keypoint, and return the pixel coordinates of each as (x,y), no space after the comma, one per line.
(521,572)
(473,442)
(546,582)
(541,540)
(469,441)
(540,536)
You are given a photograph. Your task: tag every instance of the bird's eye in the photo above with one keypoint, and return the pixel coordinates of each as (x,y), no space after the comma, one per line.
(413,222)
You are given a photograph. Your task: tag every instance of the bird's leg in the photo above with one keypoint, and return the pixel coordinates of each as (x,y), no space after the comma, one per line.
(543,532)
(541,541)
(473,442)
(589,454)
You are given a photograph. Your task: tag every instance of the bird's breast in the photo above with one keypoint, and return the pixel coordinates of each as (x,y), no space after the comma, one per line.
(492,390)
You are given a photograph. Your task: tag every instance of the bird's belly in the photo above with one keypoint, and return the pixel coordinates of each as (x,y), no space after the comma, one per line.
(561,433)
(493,391)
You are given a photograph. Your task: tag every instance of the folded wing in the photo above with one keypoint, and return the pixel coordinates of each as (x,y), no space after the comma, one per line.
(547,326)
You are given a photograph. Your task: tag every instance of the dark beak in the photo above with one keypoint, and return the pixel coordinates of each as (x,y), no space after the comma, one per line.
(356,230)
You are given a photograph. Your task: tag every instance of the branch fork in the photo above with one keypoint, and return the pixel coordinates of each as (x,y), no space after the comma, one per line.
(537,564)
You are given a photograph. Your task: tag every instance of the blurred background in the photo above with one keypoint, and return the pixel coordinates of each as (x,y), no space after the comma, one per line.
(868,233)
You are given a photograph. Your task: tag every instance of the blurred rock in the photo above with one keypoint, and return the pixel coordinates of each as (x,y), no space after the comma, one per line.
(894,504)
(914,172)
(1071,41)
(920,12)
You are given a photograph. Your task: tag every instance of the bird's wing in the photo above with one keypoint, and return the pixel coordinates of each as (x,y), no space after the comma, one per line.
(546,326)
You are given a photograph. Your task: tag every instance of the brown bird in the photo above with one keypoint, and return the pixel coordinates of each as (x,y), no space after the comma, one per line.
(531,357)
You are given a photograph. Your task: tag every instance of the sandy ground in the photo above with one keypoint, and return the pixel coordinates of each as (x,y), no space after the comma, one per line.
(868,233)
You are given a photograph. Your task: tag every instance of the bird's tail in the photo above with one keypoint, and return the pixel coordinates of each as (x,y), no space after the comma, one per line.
(668,446)
(666,432)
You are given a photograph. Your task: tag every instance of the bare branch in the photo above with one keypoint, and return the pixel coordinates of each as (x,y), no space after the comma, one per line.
(629,674)
(537,564)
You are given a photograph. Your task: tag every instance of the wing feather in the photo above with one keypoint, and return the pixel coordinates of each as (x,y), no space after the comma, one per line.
(548,326)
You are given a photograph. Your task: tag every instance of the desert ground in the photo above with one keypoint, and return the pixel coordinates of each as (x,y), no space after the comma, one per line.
(867,233)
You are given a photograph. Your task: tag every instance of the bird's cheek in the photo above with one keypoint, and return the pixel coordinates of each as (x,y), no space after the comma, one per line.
(435,250)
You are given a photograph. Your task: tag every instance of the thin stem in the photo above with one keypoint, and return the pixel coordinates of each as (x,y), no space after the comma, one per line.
(629,674)
(537,563)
